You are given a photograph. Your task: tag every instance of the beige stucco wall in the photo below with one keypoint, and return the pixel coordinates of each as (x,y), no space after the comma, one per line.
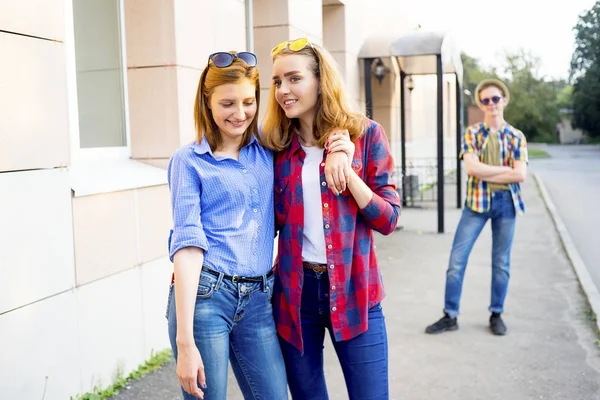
(33,127)
(89,272)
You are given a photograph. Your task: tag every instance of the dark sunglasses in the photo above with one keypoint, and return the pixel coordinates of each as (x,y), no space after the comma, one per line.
(495,100)
(222,59)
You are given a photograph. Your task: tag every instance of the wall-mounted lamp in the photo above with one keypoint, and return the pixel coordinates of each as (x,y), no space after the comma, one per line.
(379,70)
(410,84)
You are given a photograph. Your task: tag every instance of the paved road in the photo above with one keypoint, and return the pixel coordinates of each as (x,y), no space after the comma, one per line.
(549,353)
(572,177)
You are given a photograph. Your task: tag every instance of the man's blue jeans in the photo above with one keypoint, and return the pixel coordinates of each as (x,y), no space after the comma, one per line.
(502,215)
(234,322)
(364,359)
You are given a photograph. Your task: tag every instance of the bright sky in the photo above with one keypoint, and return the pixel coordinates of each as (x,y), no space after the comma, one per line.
(485,29)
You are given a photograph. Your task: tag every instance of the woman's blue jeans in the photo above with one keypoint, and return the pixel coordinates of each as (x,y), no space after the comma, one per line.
(364,359)
(234,322)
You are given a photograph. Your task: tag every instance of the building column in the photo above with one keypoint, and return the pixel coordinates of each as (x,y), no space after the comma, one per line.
(279,20)
(168,43)
(386,107)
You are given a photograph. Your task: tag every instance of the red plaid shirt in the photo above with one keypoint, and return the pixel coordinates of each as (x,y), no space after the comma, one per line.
(351,260)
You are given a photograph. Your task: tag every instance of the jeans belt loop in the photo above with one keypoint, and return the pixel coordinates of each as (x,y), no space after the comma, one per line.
(265,285)
(219,281)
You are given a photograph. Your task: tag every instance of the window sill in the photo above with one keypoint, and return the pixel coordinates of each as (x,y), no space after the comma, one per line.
(96,177)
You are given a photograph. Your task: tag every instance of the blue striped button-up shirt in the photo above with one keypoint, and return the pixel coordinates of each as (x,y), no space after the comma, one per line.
(224,206)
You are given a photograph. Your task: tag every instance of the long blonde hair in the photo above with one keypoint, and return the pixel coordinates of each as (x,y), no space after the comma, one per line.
(211,78)
(333,110)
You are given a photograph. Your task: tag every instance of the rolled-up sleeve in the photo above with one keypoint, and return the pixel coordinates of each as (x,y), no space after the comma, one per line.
(185,186)
(520,147)
(468,141)
(382,212)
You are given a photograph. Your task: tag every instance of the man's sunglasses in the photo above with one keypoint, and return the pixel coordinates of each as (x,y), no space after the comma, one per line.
(293,45)
(222,59)
(494,99)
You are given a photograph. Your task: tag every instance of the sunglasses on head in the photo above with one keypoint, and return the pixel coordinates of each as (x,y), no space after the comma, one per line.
(494,99)
(293,45)
(222,59)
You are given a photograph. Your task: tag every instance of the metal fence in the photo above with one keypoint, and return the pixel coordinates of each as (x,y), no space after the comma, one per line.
(420,181)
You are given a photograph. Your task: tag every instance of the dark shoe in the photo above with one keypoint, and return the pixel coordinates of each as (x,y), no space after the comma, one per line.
(444,324)
(497,325)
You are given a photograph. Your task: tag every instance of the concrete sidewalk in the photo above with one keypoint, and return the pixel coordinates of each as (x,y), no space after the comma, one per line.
(549,352)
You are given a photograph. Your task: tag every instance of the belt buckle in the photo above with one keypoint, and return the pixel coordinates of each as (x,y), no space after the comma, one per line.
(235,278)
(316,267)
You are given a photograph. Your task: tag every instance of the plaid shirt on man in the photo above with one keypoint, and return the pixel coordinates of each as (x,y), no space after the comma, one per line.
(355,280)
(513,147)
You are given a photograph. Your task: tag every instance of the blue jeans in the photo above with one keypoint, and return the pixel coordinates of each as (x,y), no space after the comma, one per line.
(364,359)
(234,321)
(502,214)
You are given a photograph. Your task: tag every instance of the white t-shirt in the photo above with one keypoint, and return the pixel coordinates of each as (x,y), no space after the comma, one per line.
(313,247)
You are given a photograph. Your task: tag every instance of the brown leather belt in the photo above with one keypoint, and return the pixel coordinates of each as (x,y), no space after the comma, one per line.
(315,267)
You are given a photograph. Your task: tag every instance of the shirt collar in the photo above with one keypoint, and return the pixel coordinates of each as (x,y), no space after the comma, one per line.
(502,127)
(295,144)
(203,147)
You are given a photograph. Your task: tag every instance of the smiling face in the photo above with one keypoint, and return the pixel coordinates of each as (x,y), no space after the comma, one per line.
(495,100)
(296,86)
(233,107)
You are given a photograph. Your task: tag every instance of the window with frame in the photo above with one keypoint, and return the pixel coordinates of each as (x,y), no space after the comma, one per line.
(98,108)
(100,75)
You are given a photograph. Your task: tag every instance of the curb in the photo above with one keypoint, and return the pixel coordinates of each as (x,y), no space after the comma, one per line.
(585,280)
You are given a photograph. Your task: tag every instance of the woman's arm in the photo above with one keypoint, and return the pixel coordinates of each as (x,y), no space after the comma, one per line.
(360,191)
(376,195)
(190,368)
(340,151)
(187,244)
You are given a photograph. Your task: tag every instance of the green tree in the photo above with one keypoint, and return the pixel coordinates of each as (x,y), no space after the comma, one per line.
(587,42)
(586,101)
(534,106)
(585,72)
(535,102)
(565,95)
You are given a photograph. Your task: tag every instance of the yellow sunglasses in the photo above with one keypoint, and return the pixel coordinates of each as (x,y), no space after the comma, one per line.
(293,45)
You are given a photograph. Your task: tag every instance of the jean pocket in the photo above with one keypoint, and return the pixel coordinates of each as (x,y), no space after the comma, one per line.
(205,289)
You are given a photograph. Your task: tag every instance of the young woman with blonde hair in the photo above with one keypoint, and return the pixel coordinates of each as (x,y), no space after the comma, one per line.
(327,274)
(221,243)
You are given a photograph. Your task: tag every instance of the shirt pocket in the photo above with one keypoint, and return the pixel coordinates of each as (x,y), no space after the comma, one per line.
(283,199)
(281,186)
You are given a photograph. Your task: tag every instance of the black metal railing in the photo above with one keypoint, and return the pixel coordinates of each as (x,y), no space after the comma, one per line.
(420,181)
